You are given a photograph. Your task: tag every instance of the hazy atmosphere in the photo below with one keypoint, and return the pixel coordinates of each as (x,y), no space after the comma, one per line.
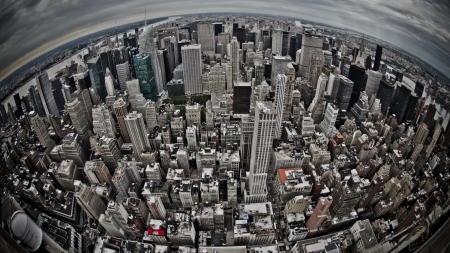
(30,28)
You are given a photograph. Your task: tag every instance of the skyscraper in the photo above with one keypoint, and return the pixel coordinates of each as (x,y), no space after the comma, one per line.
(400,101)
(360,109)
(373,82)
(123,74)
(241,97)
(97,76)
(217,80)
(121,111)
(18,103)
(41,130)
(264,128)
(277,41)
(385,93)
(85,98)
(327,125)
(103,121)
(311,41)
(344,93)
(295,44)
(206,37)
(46,94)
(146,76)
(138,133)
(234,60)
(192,69)
(280,89)
(319,214)
(89,201)
(421,134)
(356,74)
(79,118)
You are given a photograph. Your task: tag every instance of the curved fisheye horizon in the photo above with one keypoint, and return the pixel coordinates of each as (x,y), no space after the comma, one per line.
(419,28)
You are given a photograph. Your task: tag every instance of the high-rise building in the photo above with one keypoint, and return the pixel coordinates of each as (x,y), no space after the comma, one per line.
(41,130)
(385,94)
(295,44)
(400,101)
(73,150)
(103,121)
(379,52)
(123,74)
(146,75)
(85,98)
(344,93)
(277,41)
(206,37)
(192,69)
(280,89)
(421,134)
(46,94)
(356,75)
(18,103)
(136,97)
(319,214)
(264,127)
(360,109)
(89,201)
(327,125)
(97,76)
(121,111)
(138,132)
(312,41)
(79,117)
(242,93)
(373,82)
(234,61)
(157,208)
(97,172)
(217,80)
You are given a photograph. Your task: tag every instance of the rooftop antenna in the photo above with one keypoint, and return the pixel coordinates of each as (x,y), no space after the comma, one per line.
(145,11)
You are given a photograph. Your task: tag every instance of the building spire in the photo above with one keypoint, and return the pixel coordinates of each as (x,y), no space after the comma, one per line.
(145,11)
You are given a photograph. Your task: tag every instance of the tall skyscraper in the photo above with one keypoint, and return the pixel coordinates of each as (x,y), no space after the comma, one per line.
(264,128)
(295,44)
(242,93)
(85,98)
(41,130)
(217,80)
(319,214)
(146,76)
(373,82)
(344,93)
(97,76)
(327,125)
(279,64)
(280,89)
(234,60)
(421,134)
(123,74)
(312,41)
(356,74)
(360,109)
(103,121)
(46,94)
(138,133)
(400,101)
(79,118)
(18,103)
(277,41)
(385,94)
(206,37)
(192,69)
(89,201)
(379,52)
(121,111)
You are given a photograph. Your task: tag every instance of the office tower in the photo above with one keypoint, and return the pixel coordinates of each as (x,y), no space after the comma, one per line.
(373,82)
(135,97)
(217,80)
(319,214)
(18,103)
(385,94)
(379,52)
(123,74)
(41,130)
(360,109)
(193,113)
(279,64)
(150,116)
(436,134)
(73,150)
(162,57)
(89,201)
(428,119)
(277,41)
(241,36)
(97,76)
(421,134)
(234,56)
(11,115)
(218,28)
(328,122)
(264,127)
(156,207)
(247,126)
(344,93)
(85,98)
(192,69)
(295,44)
(419,88)
(103,121)
(46,94)
(138,132)
(285,44)
(97,172)
(3,113)
(131,53)
(146,76)
(206,37)
(280,89)
(400,101)
(121,111)
(108,149)
(411,107)
(333,85)
(312,41)
(356,75)
(111,225)
(191,137)
(242,93)
(79,117)
(318,103)
(57,90)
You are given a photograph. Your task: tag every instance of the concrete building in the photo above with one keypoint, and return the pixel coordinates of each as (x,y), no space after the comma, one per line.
(89,201)
(46,94)
(41,130)
(103,121)
(192,69)
(319,214)
(138,133)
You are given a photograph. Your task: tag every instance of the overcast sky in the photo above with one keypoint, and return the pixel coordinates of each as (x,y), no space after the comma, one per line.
(29,28)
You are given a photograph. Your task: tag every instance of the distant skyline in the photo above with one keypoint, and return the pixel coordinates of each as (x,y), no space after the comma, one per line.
(29,29)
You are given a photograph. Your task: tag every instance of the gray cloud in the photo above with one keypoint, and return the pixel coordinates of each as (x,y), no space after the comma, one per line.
(419,27)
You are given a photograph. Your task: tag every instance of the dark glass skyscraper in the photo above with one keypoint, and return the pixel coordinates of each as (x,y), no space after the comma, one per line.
(97,76)
(295,45)
(356,74)
(385,92)
(241,97)
(18,102)
(36,101)
(146,76)
(400,102)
